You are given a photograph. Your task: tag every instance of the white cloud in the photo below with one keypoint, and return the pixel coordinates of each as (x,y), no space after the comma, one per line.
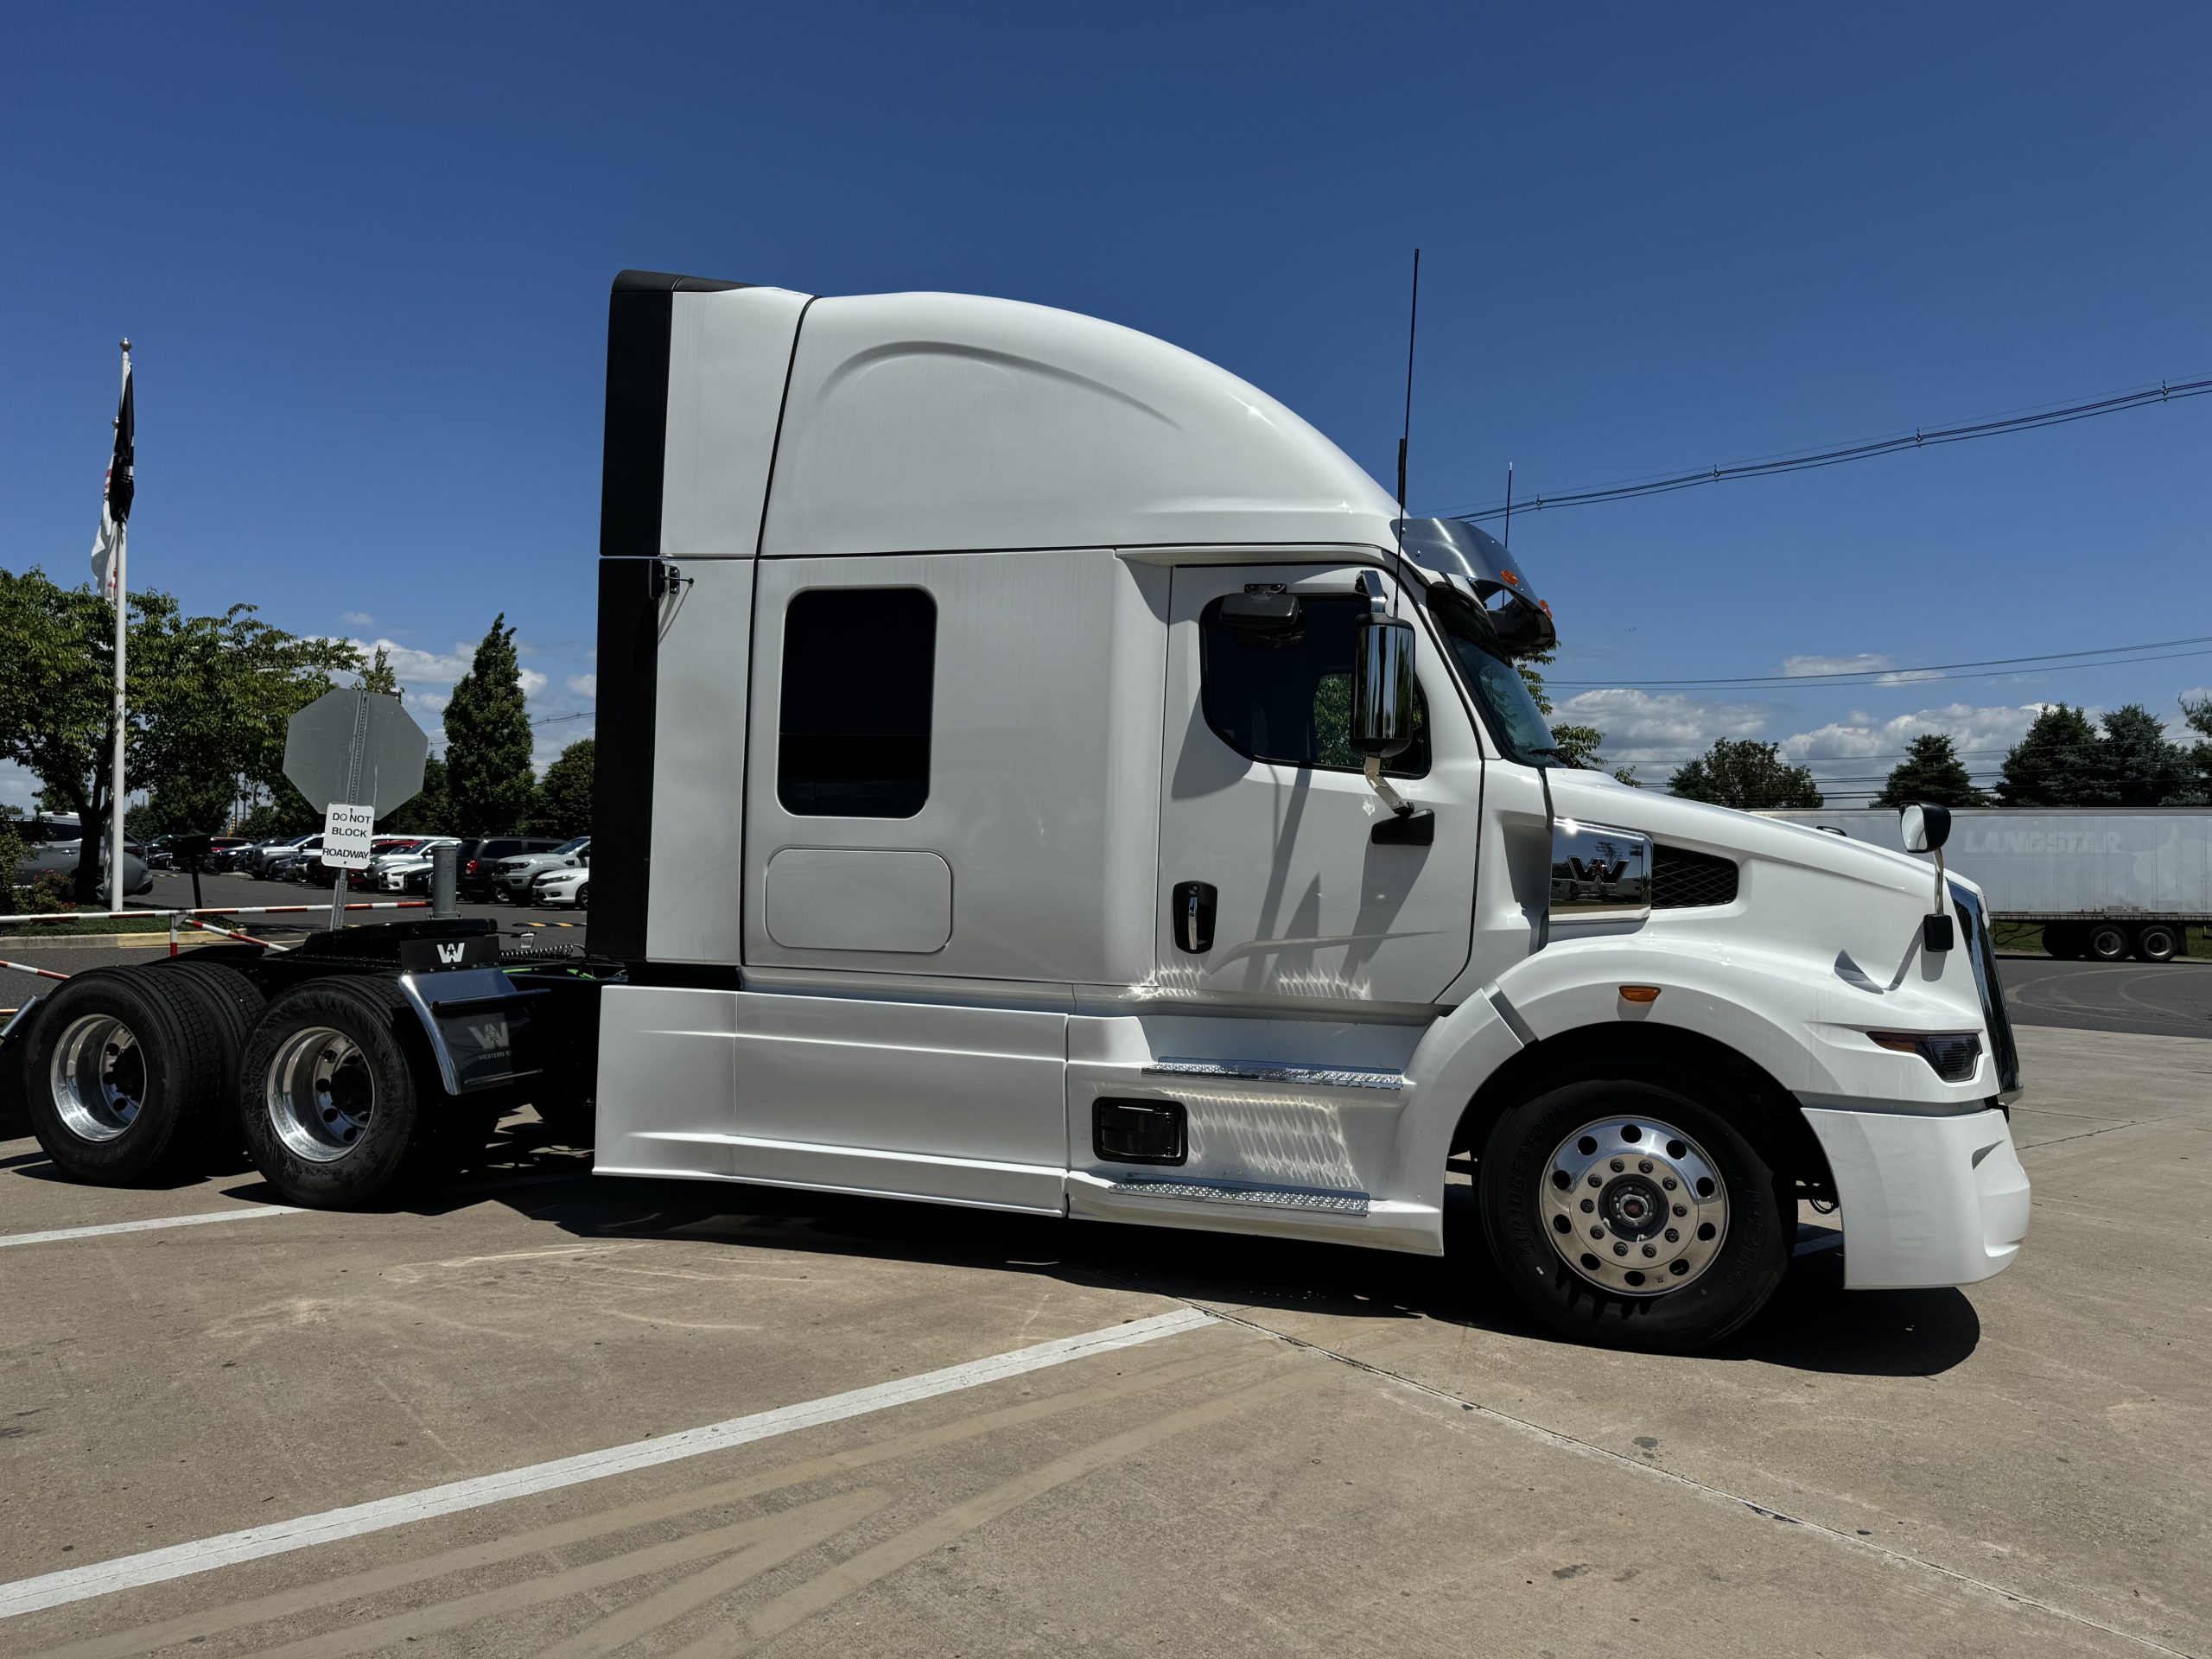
(1866,662)
(429,701)
(549,739)
(532,681)
(1906,676)
(1979,733)
(359,619)
(584,685)
(1662,730)
(410,664)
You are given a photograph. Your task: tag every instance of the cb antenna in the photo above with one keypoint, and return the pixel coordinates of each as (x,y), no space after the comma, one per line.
(1412,326)
(1509,507)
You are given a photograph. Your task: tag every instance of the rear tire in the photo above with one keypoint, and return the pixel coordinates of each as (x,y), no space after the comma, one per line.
(1718,1240)
(124,1075)
(2106,941)
(2156,942)
(338,1096)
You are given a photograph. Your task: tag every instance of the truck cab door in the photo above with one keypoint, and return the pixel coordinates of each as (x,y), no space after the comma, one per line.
(1283,877)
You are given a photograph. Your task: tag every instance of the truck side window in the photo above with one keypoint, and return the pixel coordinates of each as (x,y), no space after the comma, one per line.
(1286,699)
(854,725)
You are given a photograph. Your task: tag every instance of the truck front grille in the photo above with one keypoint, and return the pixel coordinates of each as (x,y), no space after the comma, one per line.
(1681,878)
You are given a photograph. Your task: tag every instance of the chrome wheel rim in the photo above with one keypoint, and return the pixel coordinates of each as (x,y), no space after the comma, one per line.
(320,1094)
(1634,1206)
(98,1078)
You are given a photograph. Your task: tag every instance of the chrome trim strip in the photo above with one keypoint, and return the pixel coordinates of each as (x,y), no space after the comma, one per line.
(1273,1198)
(1323,1076)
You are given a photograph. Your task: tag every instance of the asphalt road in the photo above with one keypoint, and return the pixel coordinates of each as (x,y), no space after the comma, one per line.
(2170,999)
(1293,1450)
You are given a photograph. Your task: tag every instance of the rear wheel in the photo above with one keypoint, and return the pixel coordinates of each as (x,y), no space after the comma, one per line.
(338,1098)
(2158,941)
(1633,1210)
(2107,942)
(125,1074)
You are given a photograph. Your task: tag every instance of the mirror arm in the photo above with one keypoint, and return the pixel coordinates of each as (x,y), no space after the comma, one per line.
(1371,769)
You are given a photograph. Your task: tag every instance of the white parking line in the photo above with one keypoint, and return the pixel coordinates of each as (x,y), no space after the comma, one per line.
(61,1233)
(205,1554)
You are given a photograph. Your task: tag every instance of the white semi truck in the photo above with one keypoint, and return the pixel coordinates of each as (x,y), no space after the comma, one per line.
(1068,787)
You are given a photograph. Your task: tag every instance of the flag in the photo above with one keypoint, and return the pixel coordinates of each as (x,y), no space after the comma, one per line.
(116,495)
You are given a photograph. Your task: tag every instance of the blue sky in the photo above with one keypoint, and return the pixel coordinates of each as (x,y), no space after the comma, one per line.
(364,257)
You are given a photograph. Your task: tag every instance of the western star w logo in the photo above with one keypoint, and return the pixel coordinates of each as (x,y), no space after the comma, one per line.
(493,1034)
(451,954)
(1596,869)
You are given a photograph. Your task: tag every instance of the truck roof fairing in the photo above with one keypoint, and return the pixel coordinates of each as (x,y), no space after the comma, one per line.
(910,423)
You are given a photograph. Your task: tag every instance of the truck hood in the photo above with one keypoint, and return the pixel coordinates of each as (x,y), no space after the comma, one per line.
(1701,827)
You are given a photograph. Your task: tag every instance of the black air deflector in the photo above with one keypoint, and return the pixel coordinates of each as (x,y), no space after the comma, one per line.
(1138,1131)
(640,313)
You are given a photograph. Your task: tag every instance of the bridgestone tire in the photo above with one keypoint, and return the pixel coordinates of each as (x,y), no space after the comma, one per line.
(2156,942)
(398,1145)
(1755,1251)
(176,1083)
(2107,942)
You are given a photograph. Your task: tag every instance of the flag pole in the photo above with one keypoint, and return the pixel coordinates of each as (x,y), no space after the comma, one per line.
(116,878)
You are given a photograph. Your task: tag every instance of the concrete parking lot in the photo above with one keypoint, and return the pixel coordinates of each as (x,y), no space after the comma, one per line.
(542,1413)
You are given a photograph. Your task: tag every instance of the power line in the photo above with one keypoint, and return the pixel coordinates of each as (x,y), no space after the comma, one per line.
(1919,438)
(2001,668)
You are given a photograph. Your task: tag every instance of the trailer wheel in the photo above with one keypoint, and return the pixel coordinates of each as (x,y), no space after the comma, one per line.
(1633,1210)
(2156,942)
(124,1072)
(2106,941)
(337,1102)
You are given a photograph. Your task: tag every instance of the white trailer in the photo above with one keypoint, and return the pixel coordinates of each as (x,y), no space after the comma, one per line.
(1040,772)
(2103,882)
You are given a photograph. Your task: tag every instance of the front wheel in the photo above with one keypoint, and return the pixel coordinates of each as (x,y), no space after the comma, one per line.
(1633,1210)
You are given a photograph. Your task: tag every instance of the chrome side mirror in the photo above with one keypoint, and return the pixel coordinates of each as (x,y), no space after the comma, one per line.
(1600,874)
(1382,686)
(1926,827)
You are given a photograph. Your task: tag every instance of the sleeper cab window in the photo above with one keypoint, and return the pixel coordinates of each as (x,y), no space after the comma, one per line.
(853,734)
(1284,694)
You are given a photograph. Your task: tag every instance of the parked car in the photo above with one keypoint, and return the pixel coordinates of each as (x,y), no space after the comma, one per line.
(479,855)
(391,872)
(562,886)
(317,874)
(511,877)
(55,844)
(255,860)
(285,863)
(161,851)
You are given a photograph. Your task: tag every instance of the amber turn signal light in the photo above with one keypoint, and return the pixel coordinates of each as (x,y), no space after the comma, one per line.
(1639,993)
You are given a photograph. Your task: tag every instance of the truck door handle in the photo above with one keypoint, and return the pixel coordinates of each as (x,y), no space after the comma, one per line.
(1194,902)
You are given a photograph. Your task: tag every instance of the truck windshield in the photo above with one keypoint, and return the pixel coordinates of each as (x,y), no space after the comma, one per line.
(1515,723)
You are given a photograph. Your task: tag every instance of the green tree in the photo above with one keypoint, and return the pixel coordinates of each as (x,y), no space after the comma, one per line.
(1737,773)
(1931,772)
(2056,764)
(379,675)
(489,783)
(2198,711)
(431,809)
(2138,765)
(563,805)
(207,699)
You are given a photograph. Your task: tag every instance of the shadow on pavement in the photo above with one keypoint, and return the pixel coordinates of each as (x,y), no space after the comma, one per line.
(1810,1327)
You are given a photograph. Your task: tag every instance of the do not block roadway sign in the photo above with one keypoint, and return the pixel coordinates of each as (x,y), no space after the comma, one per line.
(346,835)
